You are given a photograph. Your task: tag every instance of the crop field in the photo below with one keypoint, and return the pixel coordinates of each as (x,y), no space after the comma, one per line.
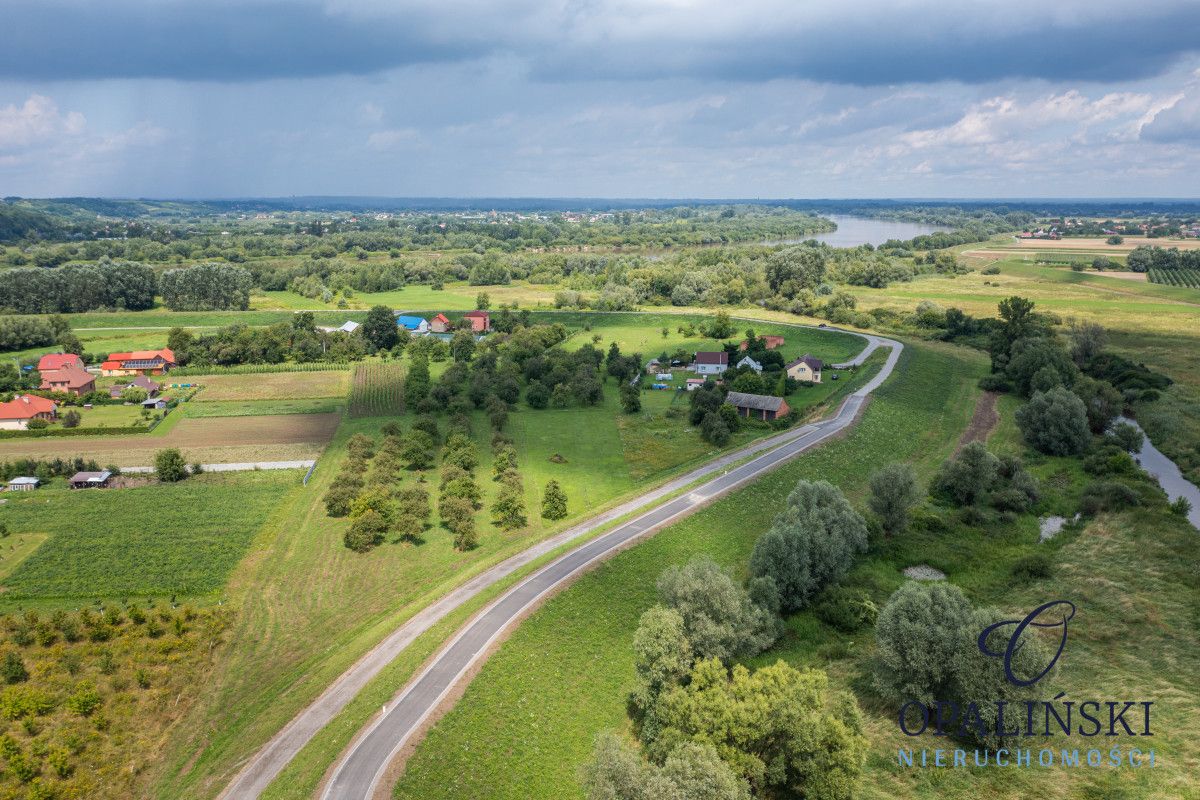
(157,540)
(272,386)
(259,438)
(258,408)
(377,389)
(1188,278)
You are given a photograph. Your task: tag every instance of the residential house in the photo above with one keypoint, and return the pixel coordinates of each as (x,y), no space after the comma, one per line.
(770,342)
(140,382)
(747,361)
(417,325)
(23,483)
(440,324)
(805,368)
(16,413)
(139,362)
(710,363)
(481,321)
(759,406)
(71,379)
(56,361)
(90,480)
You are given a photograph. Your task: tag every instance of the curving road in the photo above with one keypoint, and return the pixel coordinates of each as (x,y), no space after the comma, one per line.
(360,770)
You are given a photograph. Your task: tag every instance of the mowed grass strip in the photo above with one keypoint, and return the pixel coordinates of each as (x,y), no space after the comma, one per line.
(178,539)
(258,408)
(271,386)
(529,718)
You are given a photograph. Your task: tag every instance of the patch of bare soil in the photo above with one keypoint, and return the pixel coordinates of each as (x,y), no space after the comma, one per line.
(983,421)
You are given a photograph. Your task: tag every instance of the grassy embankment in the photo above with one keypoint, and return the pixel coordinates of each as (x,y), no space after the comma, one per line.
(528,720)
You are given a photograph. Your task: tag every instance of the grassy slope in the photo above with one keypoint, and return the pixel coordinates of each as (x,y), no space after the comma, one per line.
(529,718)
(300,585)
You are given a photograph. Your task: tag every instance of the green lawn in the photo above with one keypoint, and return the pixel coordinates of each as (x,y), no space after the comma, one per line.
(158,540)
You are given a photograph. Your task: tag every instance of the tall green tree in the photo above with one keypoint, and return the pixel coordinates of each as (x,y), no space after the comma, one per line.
(380,329)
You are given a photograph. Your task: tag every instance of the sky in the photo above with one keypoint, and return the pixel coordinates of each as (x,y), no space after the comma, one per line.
(600,98)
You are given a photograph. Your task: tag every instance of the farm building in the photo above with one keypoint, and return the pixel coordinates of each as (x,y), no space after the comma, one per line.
(90,480)
(770,342)
(481,321)
(747,361)
(759,406)
(805,368)
(23,483)
(694,383)
(71,379)
(56,361)
(440,324)
(139,362)
(710,363)
(417,325)
(140,382)
(16,413)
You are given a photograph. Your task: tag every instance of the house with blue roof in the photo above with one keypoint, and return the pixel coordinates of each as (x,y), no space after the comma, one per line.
(417,325)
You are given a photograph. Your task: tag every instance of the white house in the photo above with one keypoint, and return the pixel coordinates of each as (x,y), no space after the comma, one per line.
(710,363)
(747,361)
(805,368)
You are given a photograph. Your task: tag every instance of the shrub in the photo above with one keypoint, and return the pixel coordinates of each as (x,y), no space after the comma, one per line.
(1055,422)
(71,419)
(1107,495)
(1181,506)
(810,545)
(690,770)
(85,701)
(1109,459)
(1127,437)
(1032,567)
(846,609)
(12,669)
(969,476)
(714,429)
(894,492)
(917,640)
(169,466)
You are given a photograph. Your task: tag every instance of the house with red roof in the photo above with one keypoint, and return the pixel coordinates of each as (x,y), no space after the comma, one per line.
(70,379)
(16,413)
(56,361)
(481,321)
(440,324)
(139,362)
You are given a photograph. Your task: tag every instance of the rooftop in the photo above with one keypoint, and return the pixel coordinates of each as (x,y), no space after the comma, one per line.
(758,402)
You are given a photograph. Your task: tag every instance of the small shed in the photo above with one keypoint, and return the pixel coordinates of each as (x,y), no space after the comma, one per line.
(695,383)
(663,376)
(23,483)
(759,406)
(90,480)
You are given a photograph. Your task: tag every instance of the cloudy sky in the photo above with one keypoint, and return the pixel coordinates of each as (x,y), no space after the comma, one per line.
(612,98)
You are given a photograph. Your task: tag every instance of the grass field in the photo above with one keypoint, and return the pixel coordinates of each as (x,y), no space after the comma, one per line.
(259,408)
(272,386)
(152,541)
(528,720)
(208,440)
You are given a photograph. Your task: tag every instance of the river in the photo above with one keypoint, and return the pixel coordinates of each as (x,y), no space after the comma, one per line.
(853,231)
(1169,477)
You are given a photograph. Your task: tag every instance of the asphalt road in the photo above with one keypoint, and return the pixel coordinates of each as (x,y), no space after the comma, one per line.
(361,768)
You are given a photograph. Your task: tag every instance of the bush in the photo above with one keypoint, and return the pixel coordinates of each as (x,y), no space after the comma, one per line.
(71,419)
(1055,422)
(894,492)
(917,639)
(1032,567)
(1107,495)
(1127,437)
(169,466)
(714,429)
(1109,459)
(1181,506)
(969,476)
(12,669)
(846,609)
(810,545)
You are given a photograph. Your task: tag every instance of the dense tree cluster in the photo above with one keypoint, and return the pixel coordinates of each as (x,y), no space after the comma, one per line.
(1144,258)
(297,340)
(206,287)
(104,286)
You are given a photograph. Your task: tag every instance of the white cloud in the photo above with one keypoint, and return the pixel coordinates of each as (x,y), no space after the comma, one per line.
(37,122)
(393,138)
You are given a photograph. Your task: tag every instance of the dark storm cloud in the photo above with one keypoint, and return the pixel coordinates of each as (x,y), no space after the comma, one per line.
(866,43)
